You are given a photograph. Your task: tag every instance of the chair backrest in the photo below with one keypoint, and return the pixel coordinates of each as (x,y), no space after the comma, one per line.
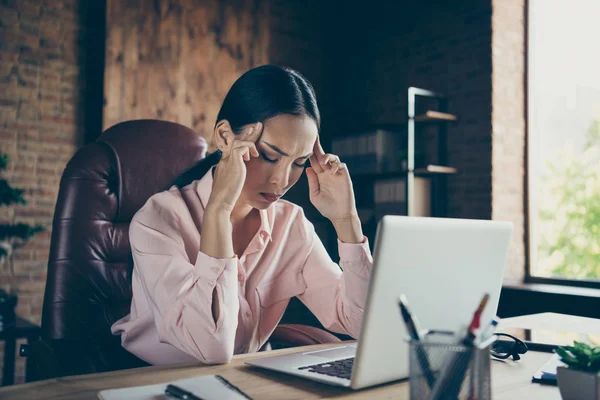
(105,183)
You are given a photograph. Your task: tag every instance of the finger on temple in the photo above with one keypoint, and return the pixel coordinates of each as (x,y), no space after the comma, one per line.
(318,149)
(313,181)
(257,132)
(253,132)
(315,164)
(252,151)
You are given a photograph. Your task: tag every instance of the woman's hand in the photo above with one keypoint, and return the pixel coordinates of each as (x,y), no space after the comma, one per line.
(331,193)
(230,173)
(217,238)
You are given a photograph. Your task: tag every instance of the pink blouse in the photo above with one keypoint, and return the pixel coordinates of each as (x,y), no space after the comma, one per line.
(171,317)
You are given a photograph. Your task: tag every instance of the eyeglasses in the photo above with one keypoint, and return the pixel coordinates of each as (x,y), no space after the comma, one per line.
(512,346)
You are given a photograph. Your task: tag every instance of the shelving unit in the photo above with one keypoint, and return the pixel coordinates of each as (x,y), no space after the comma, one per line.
(394,176)
(438,173)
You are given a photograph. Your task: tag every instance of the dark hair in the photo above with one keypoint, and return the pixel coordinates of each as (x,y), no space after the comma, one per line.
(266,92)
(197,171)
(258,95)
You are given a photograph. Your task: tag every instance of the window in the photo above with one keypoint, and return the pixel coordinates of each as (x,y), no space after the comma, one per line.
(564,140)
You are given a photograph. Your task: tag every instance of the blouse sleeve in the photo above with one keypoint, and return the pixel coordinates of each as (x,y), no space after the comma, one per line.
(179,289)
(336,294)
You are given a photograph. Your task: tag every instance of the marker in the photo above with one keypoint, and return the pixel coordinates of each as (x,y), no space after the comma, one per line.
(413,330)
(489,331)
(476,321)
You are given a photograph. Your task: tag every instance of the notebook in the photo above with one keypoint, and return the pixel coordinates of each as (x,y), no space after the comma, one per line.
(207,387)
(547,373)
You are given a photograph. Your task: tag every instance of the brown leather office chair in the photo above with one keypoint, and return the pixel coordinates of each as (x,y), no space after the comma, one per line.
(88,284)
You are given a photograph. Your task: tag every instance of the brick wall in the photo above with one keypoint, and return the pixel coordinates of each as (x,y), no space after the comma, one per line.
(508,122)
(441,46)
(39,97)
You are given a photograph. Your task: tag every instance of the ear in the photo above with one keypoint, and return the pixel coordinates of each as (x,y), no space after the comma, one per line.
(223,136)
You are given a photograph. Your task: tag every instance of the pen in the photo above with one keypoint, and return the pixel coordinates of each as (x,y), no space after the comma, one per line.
(476,320)
(489,331)
(179,393)
(413,330)
(411,322)
(486,334)
(453,372)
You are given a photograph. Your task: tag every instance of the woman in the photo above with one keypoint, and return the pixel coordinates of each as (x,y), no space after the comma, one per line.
(216,262)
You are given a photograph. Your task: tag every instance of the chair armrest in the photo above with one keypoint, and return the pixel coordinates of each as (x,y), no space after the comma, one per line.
(292,335)
(53,358)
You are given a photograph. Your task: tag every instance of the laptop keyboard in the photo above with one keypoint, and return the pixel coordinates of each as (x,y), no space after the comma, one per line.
(339,368)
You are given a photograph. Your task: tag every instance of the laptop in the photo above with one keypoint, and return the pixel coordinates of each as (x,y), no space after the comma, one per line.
(443,266)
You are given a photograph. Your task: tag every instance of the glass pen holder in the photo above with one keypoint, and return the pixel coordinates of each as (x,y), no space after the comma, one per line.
(442,367)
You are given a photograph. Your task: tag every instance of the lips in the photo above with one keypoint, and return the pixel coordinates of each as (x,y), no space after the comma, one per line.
(270,196)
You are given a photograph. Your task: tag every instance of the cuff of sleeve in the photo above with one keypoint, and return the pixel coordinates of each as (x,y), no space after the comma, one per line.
(356,256)
(210,268)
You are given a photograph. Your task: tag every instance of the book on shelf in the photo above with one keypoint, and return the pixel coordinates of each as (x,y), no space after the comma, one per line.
(389,198)
(370,152)
(391,191)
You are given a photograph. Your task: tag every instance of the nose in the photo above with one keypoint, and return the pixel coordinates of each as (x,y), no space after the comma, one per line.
(281,177)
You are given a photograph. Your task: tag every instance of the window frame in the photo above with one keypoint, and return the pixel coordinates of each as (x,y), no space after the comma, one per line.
(529,226)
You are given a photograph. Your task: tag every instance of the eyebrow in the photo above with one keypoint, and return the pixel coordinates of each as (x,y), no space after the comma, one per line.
(283,153)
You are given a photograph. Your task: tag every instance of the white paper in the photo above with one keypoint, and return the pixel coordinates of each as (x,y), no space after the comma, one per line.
(207,387)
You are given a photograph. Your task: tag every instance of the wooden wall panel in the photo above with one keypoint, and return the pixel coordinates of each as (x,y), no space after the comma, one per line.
(176,59)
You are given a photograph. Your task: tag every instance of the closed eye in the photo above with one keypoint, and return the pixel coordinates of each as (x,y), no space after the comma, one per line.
(273,161)
(267,159)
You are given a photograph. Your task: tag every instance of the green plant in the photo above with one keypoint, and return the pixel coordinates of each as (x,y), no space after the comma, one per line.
(13,235)
(569,211)
(581,356)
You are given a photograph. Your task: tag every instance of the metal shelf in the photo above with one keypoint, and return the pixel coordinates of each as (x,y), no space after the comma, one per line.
(438,114)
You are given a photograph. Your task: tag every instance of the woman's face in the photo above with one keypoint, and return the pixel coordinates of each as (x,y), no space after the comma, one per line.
(284,147)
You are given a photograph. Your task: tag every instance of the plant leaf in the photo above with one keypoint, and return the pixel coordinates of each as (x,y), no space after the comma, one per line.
(583,347)
(20,230)
(581,353)
(4,160)
(594,365)
(10,195)
(566,357)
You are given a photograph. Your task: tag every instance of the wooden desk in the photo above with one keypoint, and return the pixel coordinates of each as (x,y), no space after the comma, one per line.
(510,380)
